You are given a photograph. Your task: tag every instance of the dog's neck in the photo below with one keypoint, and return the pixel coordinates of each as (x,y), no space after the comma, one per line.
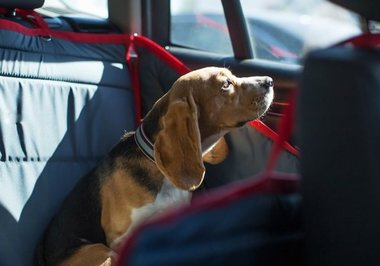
(151,121)
(144,143)
(210,141)
(150,127)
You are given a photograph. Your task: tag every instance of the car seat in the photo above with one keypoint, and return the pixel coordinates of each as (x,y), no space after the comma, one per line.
(59,100)
(339,114)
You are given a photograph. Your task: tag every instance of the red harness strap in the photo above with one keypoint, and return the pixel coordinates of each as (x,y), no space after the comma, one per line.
(267,131)
(133,61)
(133,65)
(285,131)
(164,55)
(367,40)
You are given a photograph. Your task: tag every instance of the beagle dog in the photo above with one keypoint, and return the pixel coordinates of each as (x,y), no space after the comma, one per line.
(155,167)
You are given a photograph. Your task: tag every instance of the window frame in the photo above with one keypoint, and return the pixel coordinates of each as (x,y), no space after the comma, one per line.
(156,17)
(238,29)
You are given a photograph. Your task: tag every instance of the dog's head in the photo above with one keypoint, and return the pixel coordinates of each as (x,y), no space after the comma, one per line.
(198,110)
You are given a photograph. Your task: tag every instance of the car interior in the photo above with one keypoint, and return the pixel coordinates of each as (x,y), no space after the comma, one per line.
(71,83)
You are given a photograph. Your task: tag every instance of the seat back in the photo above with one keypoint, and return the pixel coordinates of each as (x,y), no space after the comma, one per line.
(339,113)
(366,8)
(63,104)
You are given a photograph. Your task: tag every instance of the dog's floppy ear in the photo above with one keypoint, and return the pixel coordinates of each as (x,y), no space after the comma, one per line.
(218,153)
(177,149)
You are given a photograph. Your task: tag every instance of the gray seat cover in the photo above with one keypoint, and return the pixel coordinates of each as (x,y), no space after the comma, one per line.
(63,105)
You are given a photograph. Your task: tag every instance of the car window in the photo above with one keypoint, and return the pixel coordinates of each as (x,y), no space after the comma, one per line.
(97,8)
(280,30)
(201,25)
(284,30)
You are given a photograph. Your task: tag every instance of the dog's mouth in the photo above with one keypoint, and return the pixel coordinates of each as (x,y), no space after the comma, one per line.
(262,103)
(259,106)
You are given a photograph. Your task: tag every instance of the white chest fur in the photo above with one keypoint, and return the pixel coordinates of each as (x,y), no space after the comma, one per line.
(168,196)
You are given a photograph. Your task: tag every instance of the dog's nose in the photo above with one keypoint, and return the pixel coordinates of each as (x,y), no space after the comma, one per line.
(267,82)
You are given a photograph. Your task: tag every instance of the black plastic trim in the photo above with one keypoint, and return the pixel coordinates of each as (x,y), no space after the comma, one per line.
(156,20)
(196,59)
(238,29)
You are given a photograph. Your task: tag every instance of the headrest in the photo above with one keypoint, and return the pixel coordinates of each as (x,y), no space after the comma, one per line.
(369,9)
(24,4)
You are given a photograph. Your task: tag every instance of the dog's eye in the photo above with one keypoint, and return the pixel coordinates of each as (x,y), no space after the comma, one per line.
(226,85)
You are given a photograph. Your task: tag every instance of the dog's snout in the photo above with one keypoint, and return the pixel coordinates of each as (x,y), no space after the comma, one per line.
(267,82)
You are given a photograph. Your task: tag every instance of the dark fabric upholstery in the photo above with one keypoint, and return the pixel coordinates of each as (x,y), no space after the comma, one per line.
(256,230)
(156,78)
(249,152)
(339,135)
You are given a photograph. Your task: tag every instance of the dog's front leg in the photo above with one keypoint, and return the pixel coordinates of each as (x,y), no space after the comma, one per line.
(94,255)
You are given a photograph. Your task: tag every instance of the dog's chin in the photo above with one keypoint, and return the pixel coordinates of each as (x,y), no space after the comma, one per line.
(263,110)
(261,104)
(257,114)
(264,105)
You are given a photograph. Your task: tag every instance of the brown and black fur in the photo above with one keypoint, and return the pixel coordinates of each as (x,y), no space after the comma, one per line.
(185,125)
(81,211)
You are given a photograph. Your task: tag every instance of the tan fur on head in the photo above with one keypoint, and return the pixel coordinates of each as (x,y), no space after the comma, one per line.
(199,109)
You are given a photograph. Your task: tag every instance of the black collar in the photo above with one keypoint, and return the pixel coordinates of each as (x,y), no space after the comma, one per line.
(144,143)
